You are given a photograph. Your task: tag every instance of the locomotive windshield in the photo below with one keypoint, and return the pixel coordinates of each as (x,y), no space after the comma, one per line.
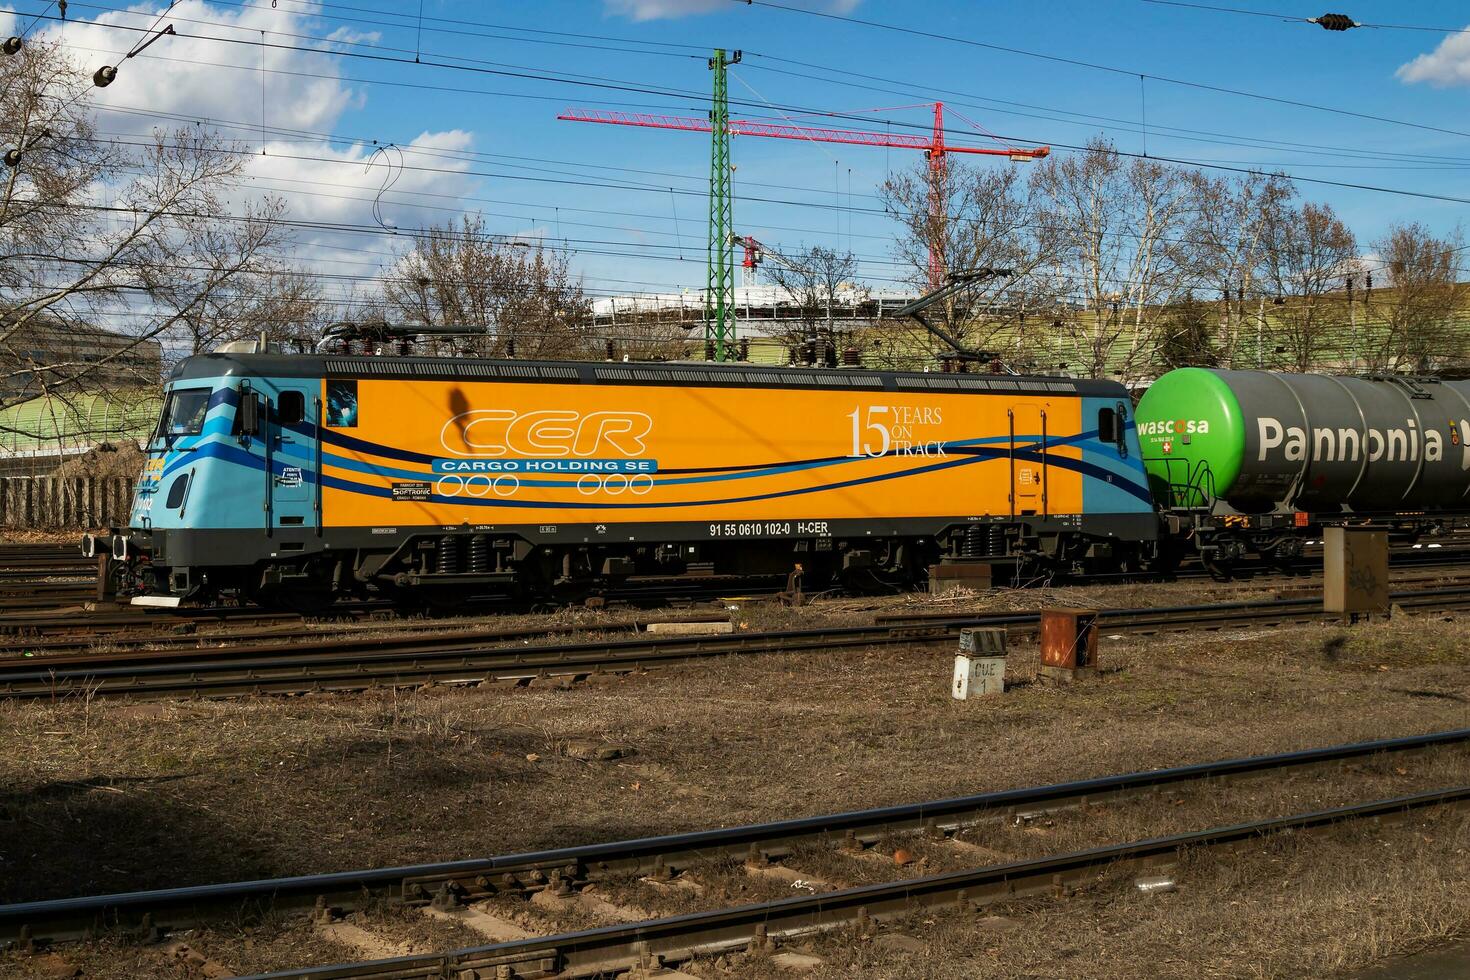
(183,413)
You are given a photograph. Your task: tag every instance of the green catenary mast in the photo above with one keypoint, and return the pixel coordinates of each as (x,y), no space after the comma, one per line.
(719,297)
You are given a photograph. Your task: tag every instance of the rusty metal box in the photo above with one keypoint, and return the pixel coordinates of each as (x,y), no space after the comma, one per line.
(1355,570)
(1069,638)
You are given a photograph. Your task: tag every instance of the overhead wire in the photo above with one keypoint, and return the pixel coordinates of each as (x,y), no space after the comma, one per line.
(1183,162)
(312,6)
(1097,66)
(991,104)
(662,189)
(621,86)
(341,41)
(1294,18)
(367,44)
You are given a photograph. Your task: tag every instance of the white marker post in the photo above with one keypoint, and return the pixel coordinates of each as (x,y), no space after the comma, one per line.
(980,666)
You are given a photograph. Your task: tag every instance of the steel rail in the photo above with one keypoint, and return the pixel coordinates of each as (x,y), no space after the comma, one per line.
(1263,608)
(287,672)
(136,649)
(420,639)
(51,621)
(610,949)
(350,668)
(468,880)
(89,621)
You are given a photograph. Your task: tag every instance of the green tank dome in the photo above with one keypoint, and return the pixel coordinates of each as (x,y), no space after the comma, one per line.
(1192,433)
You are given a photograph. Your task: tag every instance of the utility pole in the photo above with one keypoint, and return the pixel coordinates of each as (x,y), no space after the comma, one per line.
(719,297)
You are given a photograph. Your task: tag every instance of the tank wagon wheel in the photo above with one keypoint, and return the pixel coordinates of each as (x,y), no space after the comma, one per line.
(1286,556)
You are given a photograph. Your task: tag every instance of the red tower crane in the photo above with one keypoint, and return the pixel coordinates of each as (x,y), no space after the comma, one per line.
(934,148)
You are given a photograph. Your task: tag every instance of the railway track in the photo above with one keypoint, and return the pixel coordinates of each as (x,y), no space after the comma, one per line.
(1164,619)
(56,616)
(121,650)
(358,663)
(37,560)
(656,943)
(29,615)
(34,602)
(455,885)
(92,621)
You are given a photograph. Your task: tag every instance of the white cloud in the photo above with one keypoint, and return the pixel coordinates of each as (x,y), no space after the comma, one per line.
(320,180)
(1445,66)
(339,185)
(670,9)
(203,78)
(659,9)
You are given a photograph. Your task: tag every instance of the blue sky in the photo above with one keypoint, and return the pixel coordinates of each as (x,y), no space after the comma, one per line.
(490,142)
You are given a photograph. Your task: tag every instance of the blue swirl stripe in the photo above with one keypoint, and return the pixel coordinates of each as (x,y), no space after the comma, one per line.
(971,455)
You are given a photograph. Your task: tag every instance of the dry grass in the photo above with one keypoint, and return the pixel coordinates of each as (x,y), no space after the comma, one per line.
(101,796)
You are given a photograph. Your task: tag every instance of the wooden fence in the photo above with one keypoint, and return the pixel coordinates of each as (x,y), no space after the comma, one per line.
(52,503)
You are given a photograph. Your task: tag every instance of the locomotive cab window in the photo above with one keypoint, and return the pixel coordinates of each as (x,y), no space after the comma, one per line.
(291,407)
(1107,425)
(183,413)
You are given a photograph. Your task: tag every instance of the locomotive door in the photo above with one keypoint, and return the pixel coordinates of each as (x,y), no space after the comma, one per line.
(293,446)
(1028,446)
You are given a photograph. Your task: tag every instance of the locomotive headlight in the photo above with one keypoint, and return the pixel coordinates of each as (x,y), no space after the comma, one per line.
(92,546)
(120,547)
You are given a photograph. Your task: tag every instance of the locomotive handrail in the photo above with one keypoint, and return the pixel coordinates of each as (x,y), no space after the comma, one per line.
(317,477)
(270,477)
(1043,464)
(1011,455)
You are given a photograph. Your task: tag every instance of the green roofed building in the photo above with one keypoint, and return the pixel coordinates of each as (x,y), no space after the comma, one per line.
(39,434)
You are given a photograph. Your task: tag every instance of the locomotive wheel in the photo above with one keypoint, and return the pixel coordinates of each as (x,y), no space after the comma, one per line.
(1220,571)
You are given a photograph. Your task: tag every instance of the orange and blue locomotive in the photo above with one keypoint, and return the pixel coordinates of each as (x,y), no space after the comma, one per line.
(295,479)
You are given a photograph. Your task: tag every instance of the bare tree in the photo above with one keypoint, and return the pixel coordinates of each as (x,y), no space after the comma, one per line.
(1225,242)
(521,295)
(1308,254)
(239,289)
(1112,226)
(654,337)
(1186,334)
(987,220)
(91,232)
(1417,317)
(819,282)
